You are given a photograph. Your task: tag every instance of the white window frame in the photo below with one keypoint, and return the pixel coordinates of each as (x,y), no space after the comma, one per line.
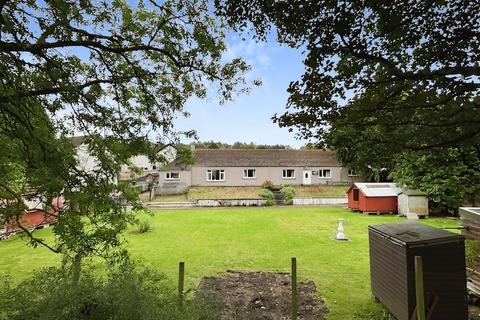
(168,175)
(321,173)
(245,174)
(285,176)
(209,175)
(351,173)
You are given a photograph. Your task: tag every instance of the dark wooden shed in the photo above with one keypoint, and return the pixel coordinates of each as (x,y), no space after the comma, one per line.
(392,250)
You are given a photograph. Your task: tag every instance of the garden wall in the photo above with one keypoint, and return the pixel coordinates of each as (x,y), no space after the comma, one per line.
(319,201)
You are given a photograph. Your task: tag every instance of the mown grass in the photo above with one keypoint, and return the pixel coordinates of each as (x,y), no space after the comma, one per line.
(223,193)
(211,241)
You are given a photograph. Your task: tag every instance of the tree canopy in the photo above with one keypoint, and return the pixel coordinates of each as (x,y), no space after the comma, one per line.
(381,78)
(237,145)
(118,72)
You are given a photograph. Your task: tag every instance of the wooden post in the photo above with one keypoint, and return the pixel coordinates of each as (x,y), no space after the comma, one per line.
(294,288)
(419,289)
(181,279)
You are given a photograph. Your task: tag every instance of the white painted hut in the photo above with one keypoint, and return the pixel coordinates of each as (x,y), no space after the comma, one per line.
(412,203)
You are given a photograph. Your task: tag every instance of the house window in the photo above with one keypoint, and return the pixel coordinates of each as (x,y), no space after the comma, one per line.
(172,175)
(154,167)
(249,174)
(288,174)
(352,173)
(355,195)
(216,175)
(325,173)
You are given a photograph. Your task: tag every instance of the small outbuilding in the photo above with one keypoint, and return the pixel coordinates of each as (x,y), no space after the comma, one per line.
(393,247)
(412,203)
(373,197)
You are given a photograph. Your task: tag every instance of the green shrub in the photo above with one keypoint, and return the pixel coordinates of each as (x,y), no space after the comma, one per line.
(266,194)
(270,202)
(126,292)
(143,226)
(288,194)
(267,184)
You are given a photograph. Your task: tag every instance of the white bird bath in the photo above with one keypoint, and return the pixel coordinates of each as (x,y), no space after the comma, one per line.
(340,235)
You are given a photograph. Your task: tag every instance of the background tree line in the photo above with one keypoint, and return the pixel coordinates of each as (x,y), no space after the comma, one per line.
(237,145)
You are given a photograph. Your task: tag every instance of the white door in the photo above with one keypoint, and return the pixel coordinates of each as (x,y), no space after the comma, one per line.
(307,176)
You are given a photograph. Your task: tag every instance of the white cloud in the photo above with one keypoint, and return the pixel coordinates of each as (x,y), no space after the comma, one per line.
(254,53)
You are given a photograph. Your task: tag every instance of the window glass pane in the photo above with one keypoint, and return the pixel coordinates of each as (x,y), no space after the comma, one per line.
(215,175)
(289,173)
(172,175)
(352,173)
(249,173)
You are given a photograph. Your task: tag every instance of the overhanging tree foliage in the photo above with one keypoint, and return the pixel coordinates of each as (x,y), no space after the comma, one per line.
(381,78)
(119,72)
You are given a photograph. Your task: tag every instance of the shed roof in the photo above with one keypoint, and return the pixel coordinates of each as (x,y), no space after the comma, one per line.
(471,213)
(378,189)
(410,192)
(413,233)
(265,158)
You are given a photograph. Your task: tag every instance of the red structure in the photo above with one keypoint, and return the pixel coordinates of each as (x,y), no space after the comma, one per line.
(373,197)
(34,217)
(30,219)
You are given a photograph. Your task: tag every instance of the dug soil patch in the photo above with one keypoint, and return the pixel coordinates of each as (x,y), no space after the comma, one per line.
(261,296)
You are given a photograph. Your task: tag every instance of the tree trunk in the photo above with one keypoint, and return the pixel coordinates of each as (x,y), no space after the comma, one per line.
(76,266)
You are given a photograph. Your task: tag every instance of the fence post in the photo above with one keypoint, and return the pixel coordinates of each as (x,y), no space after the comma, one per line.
(181,279)
(294,288)
(419,288)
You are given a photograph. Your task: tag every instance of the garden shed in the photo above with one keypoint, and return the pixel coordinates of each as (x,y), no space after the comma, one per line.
(412,202)
(393,247)
(373,197)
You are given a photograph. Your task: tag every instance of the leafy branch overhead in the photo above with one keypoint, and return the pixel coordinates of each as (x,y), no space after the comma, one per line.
(410,68)
(382,80)
(120,73)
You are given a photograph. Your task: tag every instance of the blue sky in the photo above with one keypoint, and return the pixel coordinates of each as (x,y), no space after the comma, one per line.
(248,118)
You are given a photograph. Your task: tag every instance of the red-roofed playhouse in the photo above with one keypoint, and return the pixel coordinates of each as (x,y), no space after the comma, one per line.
(373,197)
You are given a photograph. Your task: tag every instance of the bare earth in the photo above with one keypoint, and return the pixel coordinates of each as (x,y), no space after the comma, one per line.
(262,296)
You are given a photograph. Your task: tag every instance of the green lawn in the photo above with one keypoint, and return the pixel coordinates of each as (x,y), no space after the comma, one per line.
(210,241)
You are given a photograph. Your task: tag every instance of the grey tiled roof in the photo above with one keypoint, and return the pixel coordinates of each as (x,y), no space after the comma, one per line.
(264,158)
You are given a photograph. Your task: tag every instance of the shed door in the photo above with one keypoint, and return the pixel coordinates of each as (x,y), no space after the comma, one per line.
(307,176)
